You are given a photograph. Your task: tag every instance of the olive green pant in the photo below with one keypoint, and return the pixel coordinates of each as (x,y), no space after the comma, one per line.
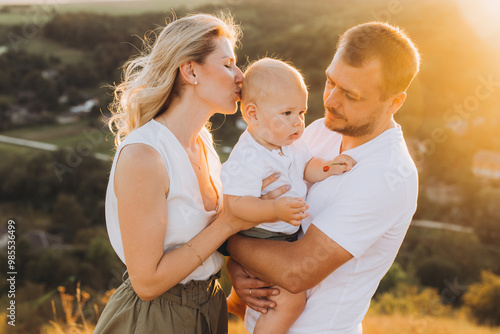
(198,307)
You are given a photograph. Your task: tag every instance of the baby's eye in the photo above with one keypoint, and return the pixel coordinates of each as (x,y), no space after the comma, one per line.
(287,113)
(227,65)
(303,112)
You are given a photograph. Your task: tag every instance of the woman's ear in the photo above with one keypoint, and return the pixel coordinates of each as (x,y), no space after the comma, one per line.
(250,113)
(187,72)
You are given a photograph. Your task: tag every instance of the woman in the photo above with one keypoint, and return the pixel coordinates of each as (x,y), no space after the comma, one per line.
(163,203)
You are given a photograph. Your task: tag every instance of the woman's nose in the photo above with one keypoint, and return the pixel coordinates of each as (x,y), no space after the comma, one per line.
(239,76)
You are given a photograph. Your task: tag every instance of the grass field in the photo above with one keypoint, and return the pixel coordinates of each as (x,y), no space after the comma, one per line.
(398,324)
(74,134)
(40,45)
(39,9)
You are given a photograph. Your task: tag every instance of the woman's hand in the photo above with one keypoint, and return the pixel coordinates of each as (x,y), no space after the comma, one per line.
(250,290)
(276,192)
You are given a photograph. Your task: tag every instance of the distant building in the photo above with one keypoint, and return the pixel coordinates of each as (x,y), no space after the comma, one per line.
(85,107)
(50,74)
(443,193)
(67,118)
(38,239)
(20,115)
(486,165)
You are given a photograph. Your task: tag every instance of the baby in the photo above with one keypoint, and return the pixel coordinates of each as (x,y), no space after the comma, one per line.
(273,103)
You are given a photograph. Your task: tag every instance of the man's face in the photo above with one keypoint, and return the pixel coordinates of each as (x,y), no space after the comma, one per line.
(352,98)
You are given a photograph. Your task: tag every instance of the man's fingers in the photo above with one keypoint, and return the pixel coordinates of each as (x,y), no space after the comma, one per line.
(258,304)
(250,283)
(258,298)
(266,292)
(258,309)
(276,192)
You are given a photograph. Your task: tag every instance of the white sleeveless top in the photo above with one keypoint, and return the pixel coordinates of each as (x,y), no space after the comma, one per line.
(186,212)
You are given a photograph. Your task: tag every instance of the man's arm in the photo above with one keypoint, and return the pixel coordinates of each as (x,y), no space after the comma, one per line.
(295,266)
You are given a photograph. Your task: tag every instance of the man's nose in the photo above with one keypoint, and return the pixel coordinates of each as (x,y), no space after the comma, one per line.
(332,98)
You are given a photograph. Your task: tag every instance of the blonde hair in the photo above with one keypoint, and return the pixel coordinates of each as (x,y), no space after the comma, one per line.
(262,77)
(151,80)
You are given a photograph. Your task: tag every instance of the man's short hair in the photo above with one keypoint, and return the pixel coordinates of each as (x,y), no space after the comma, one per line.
(399,57)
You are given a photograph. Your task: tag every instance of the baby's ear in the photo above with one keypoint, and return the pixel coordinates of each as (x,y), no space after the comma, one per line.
(250,113)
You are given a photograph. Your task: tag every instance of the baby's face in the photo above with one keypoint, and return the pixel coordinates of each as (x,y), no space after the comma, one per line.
(281,116)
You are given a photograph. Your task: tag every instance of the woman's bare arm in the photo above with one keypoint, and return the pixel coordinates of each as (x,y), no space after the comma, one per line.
(141,186)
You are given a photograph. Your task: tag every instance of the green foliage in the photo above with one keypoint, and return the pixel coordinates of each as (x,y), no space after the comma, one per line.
(410,300)
(440,256)
(52,268)
(482,299)
(68,216)
(436,271)
(395,275)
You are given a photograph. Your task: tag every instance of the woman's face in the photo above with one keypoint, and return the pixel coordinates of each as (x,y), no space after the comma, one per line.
(219,79)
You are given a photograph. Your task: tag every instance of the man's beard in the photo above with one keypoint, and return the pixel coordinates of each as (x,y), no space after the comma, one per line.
(353,130)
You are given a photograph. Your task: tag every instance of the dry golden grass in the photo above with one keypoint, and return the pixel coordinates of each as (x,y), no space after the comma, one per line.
(236,326)
(73,321)
(398,324)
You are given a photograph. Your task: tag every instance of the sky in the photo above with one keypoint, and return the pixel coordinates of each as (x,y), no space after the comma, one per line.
(40,2)
(484,16)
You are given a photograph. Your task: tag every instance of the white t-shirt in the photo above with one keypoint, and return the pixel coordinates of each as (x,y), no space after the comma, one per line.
(367,211)
(249,163)
(186,214)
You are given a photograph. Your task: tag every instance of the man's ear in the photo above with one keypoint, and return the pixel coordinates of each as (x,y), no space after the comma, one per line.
(396,102)
(250,113)
(187,71)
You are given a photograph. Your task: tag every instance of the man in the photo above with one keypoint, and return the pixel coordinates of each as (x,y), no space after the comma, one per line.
(357,220)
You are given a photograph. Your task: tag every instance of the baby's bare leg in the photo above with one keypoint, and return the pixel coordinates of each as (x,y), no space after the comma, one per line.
(280,319)
(235,305)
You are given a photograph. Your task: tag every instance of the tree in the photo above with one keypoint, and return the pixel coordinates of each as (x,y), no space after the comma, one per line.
(68,216)
(482,299)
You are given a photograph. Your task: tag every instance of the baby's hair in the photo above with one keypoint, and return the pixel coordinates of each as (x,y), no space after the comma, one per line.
(263,76)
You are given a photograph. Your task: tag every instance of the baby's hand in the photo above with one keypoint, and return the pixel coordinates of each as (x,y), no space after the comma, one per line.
(342,163)
(290,209)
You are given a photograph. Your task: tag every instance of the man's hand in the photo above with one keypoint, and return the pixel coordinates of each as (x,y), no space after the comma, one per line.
(250,290)
(290,209)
